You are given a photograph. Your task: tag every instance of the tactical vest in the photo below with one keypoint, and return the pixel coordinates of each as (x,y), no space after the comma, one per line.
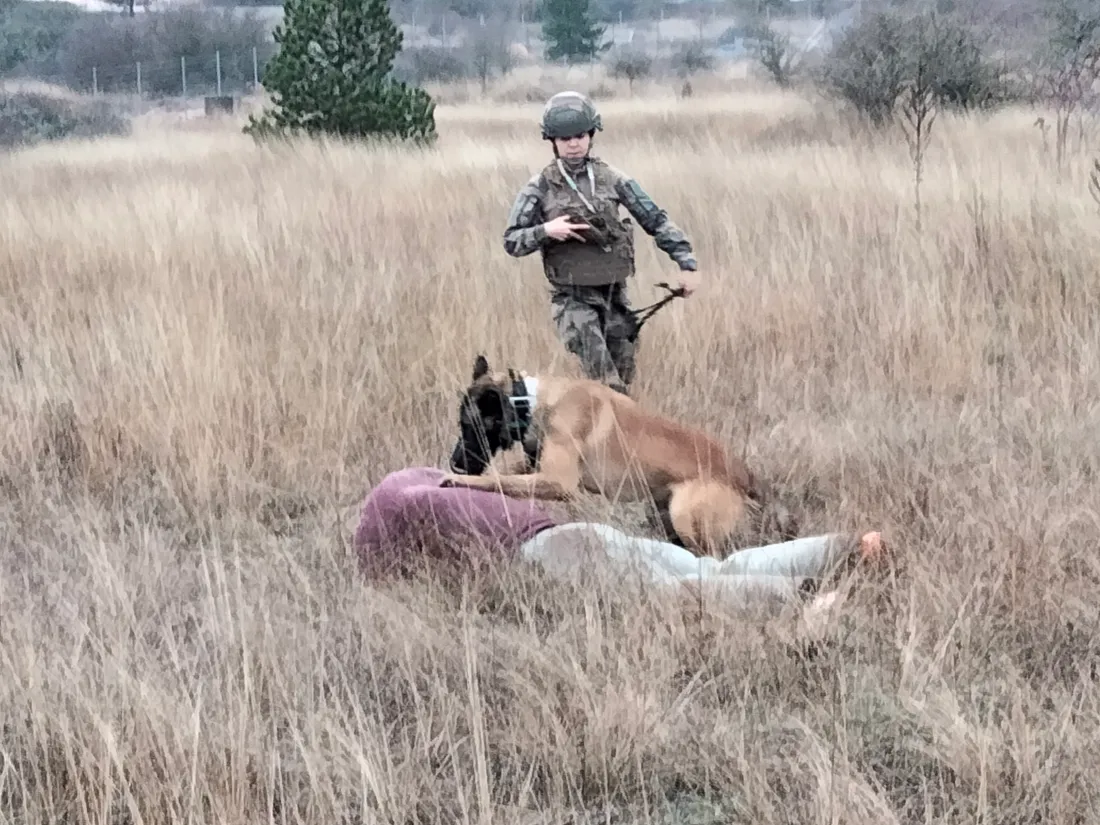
(607,257)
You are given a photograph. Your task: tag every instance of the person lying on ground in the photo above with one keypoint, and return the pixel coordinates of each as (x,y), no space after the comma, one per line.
(478,526)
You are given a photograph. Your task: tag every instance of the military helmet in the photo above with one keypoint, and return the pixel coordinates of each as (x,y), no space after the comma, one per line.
(567,114)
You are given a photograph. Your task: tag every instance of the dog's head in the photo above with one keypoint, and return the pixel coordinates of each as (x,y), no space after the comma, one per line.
(485,419)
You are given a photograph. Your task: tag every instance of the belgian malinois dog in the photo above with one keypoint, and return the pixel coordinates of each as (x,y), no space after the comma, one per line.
(579,434)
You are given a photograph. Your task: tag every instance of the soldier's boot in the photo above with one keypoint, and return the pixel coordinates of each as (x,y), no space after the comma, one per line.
(623,356)
(620,347)
(598,365)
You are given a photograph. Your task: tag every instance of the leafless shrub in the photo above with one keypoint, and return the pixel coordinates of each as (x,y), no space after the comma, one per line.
(691,58)
(488,44)
(631,65)
(919,108)
(773,52)
(1068,66)
(872,64)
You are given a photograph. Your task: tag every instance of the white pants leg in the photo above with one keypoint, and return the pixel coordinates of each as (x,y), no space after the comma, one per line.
(809,557)
(568,545)
(776,570)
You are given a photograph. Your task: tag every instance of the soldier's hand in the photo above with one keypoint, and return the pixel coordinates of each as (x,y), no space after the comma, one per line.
(689,282)
(563,229)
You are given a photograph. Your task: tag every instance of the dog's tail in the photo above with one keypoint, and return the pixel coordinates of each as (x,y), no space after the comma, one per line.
(704,513)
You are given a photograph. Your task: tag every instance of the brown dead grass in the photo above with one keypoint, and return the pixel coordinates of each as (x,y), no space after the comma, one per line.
(209,350)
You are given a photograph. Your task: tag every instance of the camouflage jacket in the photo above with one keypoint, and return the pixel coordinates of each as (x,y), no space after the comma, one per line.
(608,255)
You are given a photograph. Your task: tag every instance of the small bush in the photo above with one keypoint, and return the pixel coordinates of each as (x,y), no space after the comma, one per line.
(962,77)
(29,118)
(871,63)
(1068,66)
(692,58)
(489,50)
(631,65)
(867,66)
(601,91)
(431,64)
(772,52)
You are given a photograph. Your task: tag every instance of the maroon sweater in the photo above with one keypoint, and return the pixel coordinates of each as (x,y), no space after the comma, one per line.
(408,517)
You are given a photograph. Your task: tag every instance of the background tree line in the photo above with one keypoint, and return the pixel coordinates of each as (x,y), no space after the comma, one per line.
(977,54)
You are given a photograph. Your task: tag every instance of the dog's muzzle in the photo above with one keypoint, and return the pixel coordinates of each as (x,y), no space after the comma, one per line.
(456,454)
(461,460)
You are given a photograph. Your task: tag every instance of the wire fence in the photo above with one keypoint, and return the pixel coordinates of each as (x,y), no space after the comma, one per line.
(94,68)
(217,72)
(228,72)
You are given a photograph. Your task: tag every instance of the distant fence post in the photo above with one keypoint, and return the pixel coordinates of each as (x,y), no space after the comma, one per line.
(95,82)
(218,68)
(139,78)
(183,74)
(255,69)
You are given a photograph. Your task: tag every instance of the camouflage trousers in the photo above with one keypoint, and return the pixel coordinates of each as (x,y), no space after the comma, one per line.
(594,324)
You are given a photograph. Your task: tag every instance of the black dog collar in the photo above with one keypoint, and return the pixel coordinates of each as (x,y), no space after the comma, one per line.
(523,402)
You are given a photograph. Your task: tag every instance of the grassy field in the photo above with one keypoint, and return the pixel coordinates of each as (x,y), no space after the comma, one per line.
(210,351)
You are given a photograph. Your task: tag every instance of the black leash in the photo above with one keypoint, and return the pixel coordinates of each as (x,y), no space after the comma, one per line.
(640,316)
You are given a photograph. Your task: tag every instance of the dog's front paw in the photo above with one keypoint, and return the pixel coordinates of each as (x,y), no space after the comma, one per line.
(451,480)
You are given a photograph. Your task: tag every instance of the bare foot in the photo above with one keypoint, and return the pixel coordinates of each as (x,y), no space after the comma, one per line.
(872,548)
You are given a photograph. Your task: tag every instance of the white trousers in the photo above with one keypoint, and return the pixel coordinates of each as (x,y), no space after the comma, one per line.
(772,571)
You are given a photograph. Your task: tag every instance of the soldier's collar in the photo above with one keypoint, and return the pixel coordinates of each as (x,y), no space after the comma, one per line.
(575,166)
(572,183)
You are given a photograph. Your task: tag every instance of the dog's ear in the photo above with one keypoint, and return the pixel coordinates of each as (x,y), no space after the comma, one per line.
(481,367)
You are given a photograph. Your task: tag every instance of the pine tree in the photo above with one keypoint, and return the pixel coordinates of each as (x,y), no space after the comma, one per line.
(332,75)
(570,30)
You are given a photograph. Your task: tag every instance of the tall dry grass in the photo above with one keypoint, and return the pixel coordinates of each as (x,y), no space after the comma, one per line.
(210,350)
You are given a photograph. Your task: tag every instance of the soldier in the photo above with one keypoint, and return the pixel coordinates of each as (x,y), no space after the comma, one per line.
(569,212)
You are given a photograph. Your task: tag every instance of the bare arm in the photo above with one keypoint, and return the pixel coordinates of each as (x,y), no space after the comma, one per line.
(525,233)
(669,237)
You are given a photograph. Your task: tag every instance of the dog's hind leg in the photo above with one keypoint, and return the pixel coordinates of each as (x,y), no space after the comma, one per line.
(671,534)
(703,514)
(663,522)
